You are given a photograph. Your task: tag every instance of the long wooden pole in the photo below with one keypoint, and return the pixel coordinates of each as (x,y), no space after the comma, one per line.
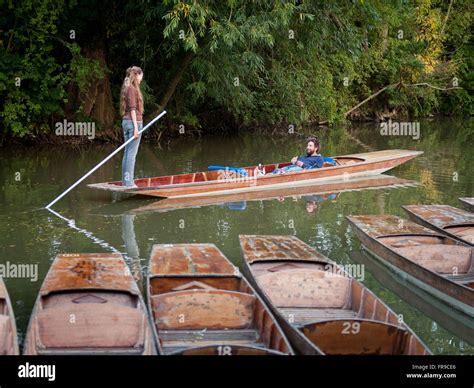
(104,161)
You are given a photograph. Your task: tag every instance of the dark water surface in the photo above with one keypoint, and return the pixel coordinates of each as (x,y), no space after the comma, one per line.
(32,177)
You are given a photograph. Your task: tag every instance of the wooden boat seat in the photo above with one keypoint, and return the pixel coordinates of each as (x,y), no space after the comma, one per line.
(6,340)
(303,316)
(305,287)
(443,259)
(227,349)
(178,340)
(466,232)
(361,337)
(465,278)
(90,326)
(199,309)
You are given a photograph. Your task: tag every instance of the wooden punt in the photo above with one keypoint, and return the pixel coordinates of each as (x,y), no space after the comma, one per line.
(8,333)
(222,182)
(201,305)
(321,307)
(89,303)
(468,203)
(322,189)
(456,223)
(434,262)
(451,319)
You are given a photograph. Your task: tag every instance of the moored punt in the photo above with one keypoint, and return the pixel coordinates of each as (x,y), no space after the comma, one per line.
(434,262)
(451,319)
(8,334)
(89,303)
(468,203)
(228,182)
(454,222)
(321,189)
(201,305)
(321,307)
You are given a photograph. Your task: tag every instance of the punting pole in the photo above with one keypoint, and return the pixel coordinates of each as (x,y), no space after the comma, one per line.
(105,160)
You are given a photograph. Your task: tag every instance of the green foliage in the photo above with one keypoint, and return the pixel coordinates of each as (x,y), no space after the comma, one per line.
(253,63)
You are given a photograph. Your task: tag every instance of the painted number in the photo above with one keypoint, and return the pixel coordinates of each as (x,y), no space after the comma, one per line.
(224,350)
(350,328)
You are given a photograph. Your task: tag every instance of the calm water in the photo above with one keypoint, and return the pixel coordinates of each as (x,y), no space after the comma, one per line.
(32,177)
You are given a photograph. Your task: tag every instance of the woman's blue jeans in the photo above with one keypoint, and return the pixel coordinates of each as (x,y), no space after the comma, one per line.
(130,153)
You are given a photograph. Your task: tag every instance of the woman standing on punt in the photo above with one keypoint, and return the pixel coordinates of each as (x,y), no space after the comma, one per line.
(131,109)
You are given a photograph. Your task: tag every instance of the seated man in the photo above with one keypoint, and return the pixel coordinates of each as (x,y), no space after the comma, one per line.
(299,163)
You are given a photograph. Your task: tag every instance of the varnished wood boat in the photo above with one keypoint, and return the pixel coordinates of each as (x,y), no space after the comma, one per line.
(228,182)
(201,305)
(321,307)
(434,262)
(89,304)
(321,189)
(468,203)
(456,223)
(8,333)
(448,317)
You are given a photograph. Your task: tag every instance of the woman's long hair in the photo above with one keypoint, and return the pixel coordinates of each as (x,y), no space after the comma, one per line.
(131,81)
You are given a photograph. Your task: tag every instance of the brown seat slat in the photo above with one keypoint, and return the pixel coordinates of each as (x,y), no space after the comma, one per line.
(303,316)
(195,309)
(256,349)
(89,326)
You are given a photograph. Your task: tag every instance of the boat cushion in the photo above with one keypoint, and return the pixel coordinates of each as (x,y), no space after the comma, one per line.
(443,259)
(90,326)
(306,288)
(195,309)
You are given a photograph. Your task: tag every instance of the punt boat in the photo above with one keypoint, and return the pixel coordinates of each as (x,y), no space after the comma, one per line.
(8,333)
(89,303)
(468,203)
(321,307)
(450,318)
(201,305)
(456,223)
(432,261)
(257,178)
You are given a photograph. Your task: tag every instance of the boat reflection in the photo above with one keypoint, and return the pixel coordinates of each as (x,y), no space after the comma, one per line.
(313,195)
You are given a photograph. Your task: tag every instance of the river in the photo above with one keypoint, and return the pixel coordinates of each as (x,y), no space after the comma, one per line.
(94,222)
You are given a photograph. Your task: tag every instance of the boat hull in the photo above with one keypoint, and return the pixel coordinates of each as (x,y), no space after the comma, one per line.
(456,295)
(201,305)
(414,293)
(8,329)
(89,304)
(312,306)
(183,186)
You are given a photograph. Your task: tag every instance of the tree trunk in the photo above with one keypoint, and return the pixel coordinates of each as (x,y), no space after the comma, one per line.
(98,102)
(172,85)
